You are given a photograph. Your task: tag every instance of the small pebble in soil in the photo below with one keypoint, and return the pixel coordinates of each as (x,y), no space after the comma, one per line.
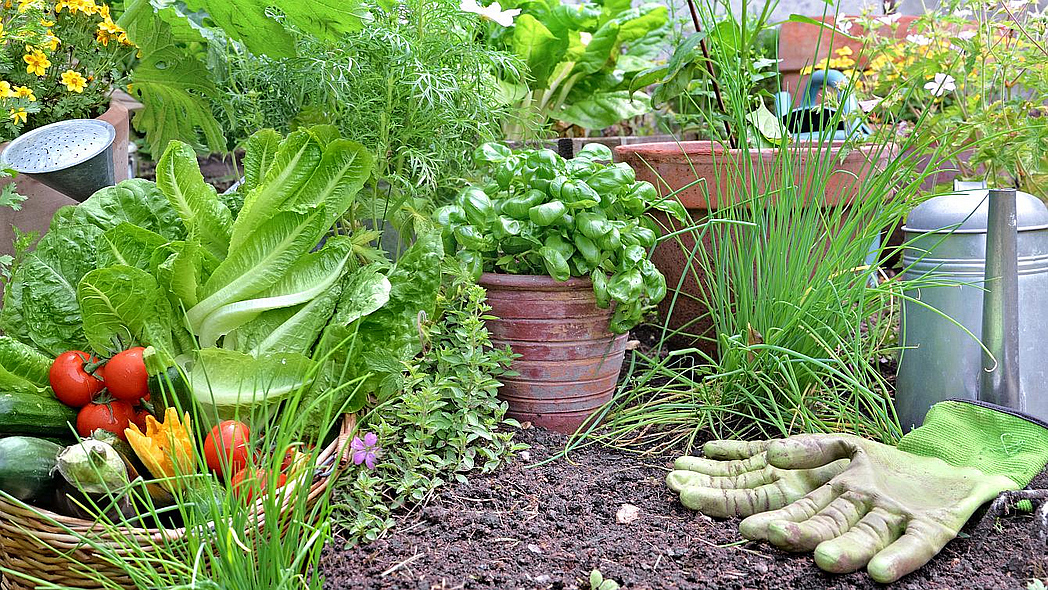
(535,548)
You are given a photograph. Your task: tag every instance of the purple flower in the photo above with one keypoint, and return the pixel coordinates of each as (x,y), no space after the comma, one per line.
(365,451)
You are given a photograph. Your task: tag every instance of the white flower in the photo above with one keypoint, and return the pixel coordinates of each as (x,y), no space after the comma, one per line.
(967,35)
(919,39)
(1016,5)
(963,13)
(843,25)
(889,19)
(493,12)
(942,84)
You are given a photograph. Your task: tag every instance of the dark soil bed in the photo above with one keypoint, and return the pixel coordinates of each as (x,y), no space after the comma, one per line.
(547,527)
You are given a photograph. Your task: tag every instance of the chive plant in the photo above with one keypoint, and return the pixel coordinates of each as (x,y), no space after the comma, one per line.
(800,311)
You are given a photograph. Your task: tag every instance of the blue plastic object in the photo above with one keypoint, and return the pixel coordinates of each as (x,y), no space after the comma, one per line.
(807,121)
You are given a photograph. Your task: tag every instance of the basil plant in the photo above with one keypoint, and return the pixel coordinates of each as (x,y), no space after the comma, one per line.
(538,213)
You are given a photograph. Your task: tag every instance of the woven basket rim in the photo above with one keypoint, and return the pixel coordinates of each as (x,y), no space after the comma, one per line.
(338,447)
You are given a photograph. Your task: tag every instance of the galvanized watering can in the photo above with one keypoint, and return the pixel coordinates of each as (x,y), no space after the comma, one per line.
(74,157)
(967,294)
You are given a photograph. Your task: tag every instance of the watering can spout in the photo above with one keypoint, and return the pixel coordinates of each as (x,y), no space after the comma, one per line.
(999,382)
(74,157)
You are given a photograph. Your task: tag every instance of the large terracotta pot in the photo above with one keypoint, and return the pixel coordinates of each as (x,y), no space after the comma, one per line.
(43,201)
(569,360)
(721,173)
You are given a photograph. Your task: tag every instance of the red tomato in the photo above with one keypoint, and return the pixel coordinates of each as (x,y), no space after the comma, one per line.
(126,375)
(228,444)
(73,386)
(114,417)
(245,483)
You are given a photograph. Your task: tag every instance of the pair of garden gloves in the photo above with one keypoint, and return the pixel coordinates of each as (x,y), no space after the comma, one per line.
(858,503)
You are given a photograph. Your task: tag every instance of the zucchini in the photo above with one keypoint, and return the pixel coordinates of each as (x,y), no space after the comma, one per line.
(26,466)
(35,415)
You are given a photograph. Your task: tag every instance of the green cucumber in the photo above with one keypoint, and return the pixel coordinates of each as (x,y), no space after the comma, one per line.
(26,465)
(35,415)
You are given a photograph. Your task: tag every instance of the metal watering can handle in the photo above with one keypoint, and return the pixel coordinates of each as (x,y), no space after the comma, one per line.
(999,383)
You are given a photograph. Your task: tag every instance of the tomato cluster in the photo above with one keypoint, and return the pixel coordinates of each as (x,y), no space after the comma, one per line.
(108,394)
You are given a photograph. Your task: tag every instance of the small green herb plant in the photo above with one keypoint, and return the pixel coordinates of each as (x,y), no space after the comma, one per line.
(438,418)
(538,213)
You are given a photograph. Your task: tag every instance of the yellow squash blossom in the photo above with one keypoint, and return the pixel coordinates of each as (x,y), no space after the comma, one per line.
(166,449)
(5,89)
(25,92)
(36,62)
(18,114)
(73,81)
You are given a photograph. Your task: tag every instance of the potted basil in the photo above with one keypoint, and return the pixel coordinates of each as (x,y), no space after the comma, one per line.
(562,247)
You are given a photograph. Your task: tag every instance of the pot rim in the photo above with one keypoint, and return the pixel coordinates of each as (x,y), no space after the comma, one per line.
(500,280)
(673,150)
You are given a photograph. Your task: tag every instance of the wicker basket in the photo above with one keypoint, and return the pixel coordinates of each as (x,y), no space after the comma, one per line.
(31,542)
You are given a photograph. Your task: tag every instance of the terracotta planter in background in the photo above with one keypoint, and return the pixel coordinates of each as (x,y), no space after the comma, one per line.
(672,166)
(569,361)
(804,44)
(43,201)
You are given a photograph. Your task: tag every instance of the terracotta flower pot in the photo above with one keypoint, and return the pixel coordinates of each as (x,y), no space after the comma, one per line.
(43,201)
(569,360)
(672,166)
(804,44)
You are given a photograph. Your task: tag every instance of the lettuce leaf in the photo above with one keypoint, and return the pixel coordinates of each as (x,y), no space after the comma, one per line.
(259,263)
(178,177)
(309,277)
(123,306)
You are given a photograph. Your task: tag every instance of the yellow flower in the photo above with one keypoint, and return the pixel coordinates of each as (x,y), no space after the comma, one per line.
(844,51)
(51,41)
(74,81)
(17,114)
(104,11)
(36,62)
(5,89)
(24,4)
(166,449)
(46,23)
(102,37)
(25,92)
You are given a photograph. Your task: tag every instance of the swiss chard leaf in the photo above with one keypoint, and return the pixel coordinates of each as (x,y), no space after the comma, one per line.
(604,109)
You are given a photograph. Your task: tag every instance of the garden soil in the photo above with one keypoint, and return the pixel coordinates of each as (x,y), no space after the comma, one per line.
(547,526)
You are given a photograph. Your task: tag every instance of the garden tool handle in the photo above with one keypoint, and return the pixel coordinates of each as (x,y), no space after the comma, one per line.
(818,80)
(999,383)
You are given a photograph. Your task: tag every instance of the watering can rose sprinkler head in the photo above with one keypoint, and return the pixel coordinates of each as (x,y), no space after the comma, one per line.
(74,157)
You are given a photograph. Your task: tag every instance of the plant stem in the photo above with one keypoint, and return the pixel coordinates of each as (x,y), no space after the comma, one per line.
(709,70)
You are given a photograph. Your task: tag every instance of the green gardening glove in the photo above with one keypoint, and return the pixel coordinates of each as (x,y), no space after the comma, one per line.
(735,479)
(894,508)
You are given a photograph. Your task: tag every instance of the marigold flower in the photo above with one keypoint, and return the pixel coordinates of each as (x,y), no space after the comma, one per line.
(5,89)
(73,81)
(17,114)
(844,51)
(25,92)
(36,62)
